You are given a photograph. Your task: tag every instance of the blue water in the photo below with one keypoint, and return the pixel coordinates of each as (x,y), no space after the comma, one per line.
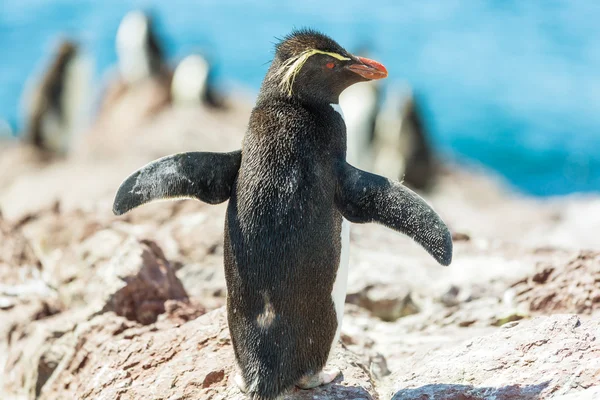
(514,85)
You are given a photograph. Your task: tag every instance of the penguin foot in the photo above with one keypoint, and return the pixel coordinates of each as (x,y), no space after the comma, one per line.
(239,381)
(322,378)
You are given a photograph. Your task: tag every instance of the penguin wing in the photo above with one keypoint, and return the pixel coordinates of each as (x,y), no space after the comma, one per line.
(364,197)
(208,177)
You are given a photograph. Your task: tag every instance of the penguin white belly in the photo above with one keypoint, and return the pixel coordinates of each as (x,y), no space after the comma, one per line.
(190,78)
(132,47)
(338,294)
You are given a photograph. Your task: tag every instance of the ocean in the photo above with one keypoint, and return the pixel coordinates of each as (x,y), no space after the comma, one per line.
(511,85)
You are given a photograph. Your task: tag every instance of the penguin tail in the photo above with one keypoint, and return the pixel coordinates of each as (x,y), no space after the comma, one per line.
(269,387)
(265,381)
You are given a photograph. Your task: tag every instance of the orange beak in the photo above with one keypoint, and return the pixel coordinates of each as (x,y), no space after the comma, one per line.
(368,69)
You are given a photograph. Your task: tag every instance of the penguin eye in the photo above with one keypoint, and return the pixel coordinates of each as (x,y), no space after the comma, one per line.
(330,65)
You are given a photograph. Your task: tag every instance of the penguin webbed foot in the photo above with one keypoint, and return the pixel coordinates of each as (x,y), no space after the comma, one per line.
(324,377)
(207,177)
(364,197)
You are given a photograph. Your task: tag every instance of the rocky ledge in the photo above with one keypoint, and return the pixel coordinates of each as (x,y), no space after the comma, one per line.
(102,307)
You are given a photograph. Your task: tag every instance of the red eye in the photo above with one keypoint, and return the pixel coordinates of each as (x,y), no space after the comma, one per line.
(330,65)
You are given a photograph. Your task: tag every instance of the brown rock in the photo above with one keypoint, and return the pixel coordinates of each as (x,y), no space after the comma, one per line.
(137,283)
(167,361)
(527,360)
(384,301)
(570,287)
(35,348)
(460,237)
(140,281)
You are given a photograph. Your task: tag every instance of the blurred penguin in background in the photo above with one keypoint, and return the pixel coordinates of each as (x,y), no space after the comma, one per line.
(193,83)
(142,69)
(140,55)
(137,92)
(360,104)
(55,106)
(402,149)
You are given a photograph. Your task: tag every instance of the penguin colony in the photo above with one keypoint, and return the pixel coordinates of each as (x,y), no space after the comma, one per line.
(291,195)
(140,57)
(54,106)
(386,137)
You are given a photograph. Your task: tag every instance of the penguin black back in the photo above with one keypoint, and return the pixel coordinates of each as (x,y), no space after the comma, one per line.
(283,231)
(282,249)
(291,195)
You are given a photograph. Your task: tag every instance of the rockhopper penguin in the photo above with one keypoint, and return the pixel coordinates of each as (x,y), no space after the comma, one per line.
(138,48)
(54,106)
(193,83)
(402,147)
(290,194)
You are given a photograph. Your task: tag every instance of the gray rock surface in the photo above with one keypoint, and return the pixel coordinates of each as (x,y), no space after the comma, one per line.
(535,359)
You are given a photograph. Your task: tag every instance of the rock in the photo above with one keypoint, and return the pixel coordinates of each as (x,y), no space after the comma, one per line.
(68,267)
(534,359)
(460,237)
(35,350)
(114,358)
(587,394)
(384,301)
(569,287)
(508,317)
(481,203)
(137,283)
(378,366)
(139,280)
(450,297)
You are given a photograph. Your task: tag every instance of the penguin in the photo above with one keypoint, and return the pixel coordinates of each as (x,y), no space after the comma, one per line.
(139,53)
(193,84)
(54,107)
(291,197)
(420,168)
(361,105)
(402,149)
(139,88)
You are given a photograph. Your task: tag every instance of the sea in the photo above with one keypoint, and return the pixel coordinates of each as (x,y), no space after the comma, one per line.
(511,85)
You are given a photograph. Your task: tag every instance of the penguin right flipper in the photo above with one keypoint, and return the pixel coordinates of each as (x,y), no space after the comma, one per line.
(208,177)
(364,197)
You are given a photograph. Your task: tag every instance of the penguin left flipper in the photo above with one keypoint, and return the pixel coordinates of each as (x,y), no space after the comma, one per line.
(208,177)
(364,197)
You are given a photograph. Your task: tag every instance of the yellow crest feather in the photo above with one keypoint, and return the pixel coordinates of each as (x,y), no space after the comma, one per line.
(290,68)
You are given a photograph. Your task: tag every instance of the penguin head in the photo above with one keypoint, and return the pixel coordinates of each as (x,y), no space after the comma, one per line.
(134,30)
(67,50)
(311,66)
